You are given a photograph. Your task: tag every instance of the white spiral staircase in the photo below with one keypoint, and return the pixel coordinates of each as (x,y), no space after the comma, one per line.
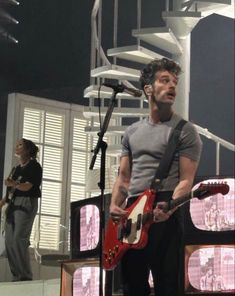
(173,38)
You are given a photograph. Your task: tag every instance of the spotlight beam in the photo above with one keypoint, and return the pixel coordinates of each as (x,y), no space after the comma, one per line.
(12,2)
(4,35)
(7,18)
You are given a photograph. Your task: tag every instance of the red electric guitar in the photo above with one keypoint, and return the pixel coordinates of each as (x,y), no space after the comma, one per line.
(132,231)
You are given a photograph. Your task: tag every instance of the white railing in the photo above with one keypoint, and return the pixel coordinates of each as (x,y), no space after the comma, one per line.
(97,51)
(98,56)
(219,142)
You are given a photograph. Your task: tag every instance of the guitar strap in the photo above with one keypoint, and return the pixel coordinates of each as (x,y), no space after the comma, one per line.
(166,161)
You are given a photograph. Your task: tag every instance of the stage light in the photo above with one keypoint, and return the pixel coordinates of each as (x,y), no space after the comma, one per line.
(6,18)
(14,2)
(14,40)
(5,36)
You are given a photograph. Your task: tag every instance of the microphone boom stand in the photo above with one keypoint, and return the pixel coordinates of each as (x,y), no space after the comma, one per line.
(102,145)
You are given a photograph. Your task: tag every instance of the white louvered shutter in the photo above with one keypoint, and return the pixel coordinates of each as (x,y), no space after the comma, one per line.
(64,153)
(46,129)
(79,164)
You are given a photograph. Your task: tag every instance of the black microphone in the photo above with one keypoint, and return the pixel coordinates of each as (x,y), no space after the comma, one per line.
(123,88)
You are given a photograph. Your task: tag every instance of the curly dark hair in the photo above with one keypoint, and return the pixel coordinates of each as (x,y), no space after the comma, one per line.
(148,73)
(30,147)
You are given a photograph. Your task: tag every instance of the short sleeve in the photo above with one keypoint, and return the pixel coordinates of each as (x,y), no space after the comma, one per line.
(190,143)
(34,174)
(125,144)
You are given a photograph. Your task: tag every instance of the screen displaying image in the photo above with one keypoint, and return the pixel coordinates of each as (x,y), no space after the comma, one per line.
(209,268)
(80,277)
(86,281)
(217,212)
(89,227)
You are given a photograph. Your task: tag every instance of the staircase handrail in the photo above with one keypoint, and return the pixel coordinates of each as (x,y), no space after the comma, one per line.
(188,4)
(96,40)
(211,136)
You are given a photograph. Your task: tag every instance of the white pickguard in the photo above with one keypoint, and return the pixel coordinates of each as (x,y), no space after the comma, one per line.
(134,236)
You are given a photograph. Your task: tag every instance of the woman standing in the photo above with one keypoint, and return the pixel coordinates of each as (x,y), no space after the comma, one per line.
(24,186)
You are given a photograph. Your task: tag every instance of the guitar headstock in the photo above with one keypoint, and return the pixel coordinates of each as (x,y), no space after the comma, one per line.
(206,190)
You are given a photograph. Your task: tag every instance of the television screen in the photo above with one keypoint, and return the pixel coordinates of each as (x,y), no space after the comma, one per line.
(80,277)
(217,212)
(85,226)
(214,214)
(89,231)
(86,281)
(209,269)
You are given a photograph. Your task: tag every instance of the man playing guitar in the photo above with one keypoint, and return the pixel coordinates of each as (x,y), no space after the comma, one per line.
(143,146)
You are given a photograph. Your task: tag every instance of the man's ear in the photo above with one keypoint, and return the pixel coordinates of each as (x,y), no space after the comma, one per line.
(148,89)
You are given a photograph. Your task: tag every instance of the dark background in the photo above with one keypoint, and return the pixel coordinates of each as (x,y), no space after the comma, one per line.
(52,60)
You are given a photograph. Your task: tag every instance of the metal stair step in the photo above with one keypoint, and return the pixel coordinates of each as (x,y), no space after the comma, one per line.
(181,22)
(207,7)
(135,53)
(161,37)
(116,72)
(122,112)
(92,91)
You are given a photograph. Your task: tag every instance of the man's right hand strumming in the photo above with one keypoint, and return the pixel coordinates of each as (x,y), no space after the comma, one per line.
(117,213)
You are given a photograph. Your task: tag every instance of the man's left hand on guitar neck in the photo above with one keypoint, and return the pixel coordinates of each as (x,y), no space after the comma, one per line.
(160,212)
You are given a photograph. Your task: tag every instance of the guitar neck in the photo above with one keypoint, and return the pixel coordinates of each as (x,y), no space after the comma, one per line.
(179,201)
(203,191)
(10,190)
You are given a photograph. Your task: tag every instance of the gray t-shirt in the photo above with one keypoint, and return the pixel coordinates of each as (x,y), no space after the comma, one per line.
(145,144)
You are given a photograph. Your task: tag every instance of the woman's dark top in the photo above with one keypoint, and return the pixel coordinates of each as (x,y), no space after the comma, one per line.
(32,173)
